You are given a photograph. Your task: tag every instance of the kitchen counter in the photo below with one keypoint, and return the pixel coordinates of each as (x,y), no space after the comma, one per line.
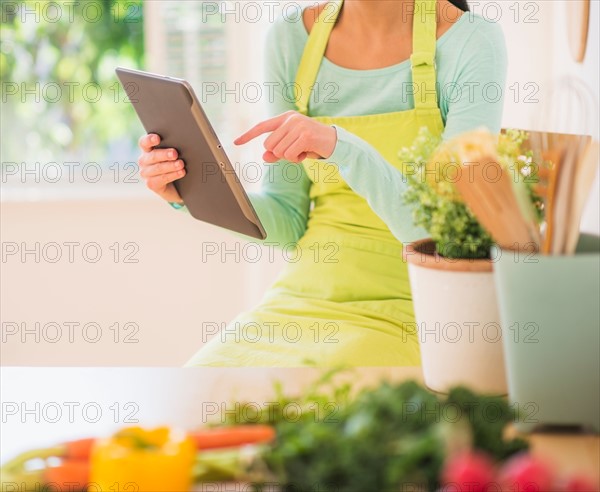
(43,406)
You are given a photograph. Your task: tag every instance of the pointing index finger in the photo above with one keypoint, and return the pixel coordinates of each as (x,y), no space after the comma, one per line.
(266,126)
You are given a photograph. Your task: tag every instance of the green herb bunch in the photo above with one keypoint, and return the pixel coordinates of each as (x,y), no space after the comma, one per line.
(384,439)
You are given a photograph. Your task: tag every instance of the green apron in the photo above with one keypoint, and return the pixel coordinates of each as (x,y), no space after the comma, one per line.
(344,297)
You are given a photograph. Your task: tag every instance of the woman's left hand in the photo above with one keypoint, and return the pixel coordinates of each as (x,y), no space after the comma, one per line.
(294,137)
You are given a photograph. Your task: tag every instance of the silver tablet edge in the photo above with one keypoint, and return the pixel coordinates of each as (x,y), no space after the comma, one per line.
(224,163)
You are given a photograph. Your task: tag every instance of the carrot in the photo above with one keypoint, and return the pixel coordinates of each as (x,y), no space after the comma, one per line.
(224,437)
(69,475)
(78,450)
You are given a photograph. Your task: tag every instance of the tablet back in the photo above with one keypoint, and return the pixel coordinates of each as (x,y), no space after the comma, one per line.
(210,189)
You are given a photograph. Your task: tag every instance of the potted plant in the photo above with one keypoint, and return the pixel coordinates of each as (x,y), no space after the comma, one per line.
(451,272)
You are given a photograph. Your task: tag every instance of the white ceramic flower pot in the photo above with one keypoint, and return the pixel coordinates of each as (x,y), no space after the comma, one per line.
(458,322)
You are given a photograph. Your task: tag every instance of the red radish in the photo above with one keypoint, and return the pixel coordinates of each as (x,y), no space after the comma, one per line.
(469,472)
(580,484)
(525,473)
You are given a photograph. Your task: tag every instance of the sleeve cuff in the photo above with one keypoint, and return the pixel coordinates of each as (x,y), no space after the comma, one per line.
(342,149)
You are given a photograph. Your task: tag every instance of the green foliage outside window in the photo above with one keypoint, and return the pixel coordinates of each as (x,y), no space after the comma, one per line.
(60,95)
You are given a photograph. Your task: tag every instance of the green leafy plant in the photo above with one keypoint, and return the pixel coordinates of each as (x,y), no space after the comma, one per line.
(430,167)
(381,438)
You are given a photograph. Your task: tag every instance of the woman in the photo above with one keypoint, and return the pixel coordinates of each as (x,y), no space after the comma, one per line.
(334,186)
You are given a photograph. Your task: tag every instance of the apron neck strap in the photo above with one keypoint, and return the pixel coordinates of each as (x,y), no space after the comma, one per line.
(422,58)
(313,54)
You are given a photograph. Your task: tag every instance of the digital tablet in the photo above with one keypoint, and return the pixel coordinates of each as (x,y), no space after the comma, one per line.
(210,189)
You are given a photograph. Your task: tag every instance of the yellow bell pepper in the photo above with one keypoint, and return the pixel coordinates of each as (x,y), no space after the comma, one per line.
(143,460)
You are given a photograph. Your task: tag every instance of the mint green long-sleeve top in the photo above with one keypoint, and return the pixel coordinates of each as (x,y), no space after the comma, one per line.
(471,77)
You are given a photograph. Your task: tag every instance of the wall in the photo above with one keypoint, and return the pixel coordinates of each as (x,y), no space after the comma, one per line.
(537,43)
(586,114)
(168,293)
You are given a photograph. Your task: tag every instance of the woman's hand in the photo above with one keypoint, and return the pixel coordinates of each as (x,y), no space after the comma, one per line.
(159,168)
(294,137)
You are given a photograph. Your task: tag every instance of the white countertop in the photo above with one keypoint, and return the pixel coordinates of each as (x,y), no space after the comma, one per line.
(102,400)
(45,406)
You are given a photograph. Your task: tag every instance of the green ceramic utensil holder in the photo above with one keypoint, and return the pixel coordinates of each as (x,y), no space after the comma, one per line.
(550,315)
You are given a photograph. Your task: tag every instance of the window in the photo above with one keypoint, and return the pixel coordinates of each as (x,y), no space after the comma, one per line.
(65,125)
(218,47)
(195,49)
(67,129)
